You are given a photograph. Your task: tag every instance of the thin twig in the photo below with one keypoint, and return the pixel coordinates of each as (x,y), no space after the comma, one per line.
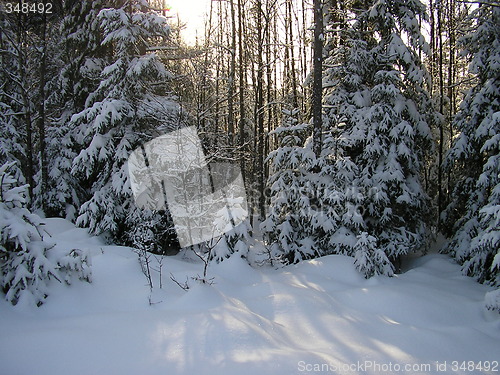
(184,287)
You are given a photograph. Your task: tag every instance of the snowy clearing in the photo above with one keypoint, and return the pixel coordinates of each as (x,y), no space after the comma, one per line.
(320,316)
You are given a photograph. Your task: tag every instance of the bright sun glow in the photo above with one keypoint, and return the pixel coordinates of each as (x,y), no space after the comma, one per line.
(192,13)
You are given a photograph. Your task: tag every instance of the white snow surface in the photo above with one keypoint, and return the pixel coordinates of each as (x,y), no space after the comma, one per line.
(318,315)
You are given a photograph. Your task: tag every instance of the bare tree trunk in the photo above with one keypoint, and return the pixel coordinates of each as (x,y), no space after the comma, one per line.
(231,78)
(254,146)
(441,110)
(293,76)
(218,69)
(242,88)
(42,118)
(260,111)
(30,150)
(269,83)
(304,46)
(451,83)
(317,91)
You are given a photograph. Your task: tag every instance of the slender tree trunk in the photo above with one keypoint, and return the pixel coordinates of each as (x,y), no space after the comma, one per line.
(255,142)
(218,69)
(441,110)
(23,87)
(317,91)
(451,83)
(433,38)
(260,111)
(268,65)
(286,59)
(242,88)
(231,78)
(304,46)
(292,54)
(42,118)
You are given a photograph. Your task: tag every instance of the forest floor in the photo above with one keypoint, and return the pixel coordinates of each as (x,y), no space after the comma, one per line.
(320,316)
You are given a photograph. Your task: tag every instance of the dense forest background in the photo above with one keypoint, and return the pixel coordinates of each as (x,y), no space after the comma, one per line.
(362,127)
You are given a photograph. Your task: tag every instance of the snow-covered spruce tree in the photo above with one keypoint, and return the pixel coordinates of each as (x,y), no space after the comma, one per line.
(27,46)
(25,269)
(232,218)
(25,265)
(314,203)
(129,107)
(80,60)
(339,196)
(475,156)
(10,140)
(236,239)
(347,64)
(288,227)
(15,98)
(369,259)
(378,102)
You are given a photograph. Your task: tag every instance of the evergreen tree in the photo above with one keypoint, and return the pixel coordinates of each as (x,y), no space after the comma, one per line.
(475,157)
(130,106)
(26,49)
(25,269)
(25,265)
(288,226)
(10,137)
(16,104)
(378,108)
(236,237)
(369,259)
(362,195)
(80,60)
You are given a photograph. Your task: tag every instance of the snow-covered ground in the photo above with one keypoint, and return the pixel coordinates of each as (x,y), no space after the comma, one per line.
(320,316)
